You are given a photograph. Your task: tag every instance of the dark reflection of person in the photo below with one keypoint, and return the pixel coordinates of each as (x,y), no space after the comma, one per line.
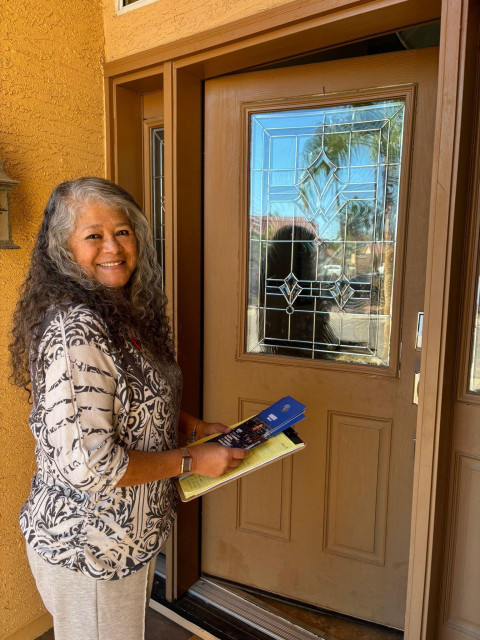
(292,250)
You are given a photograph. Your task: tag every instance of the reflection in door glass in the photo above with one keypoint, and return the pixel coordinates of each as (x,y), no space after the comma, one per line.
(158,197)
(475,365)
(323,207)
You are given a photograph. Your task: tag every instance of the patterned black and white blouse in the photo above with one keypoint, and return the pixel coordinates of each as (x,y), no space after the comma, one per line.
(91,405)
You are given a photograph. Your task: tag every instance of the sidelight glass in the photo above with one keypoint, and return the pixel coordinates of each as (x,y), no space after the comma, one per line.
(323,208)
(158,196)
(474,385)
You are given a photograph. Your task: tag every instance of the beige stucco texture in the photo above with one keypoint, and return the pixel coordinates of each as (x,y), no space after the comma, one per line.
(164,21)
(51,129)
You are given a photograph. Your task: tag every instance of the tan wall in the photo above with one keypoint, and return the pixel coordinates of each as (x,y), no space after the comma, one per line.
(168,20)
(51,129)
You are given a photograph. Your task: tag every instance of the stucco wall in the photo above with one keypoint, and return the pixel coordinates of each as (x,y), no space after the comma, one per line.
(167,20)
(51,129)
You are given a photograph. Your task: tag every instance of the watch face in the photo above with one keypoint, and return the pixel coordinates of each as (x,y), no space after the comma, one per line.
(186,464)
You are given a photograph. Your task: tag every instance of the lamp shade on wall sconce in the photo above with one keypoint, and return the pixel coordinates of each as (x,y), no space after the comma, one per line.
(6,185)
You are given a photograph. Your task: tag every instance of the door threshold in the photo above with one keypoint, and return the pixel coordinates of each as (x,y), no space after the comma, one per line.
(327,623)
(257,616)
(216,609)
(215,612)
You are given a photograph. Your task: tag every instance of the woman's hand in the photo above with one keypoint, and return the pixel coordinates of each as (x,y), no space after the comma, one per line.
(209,428)
(213,460)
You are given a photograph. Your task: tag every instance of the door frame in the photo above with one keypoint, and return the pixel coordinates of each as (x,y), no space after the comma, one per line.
(287,31)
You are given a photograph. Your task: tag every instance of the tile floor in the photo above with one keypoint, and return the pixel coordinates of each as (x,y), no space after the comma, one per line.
(158,628)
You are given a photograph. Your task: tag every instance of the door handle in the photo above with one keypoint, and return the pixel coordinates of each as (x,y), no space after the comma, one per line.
(416,384)
(416,366)
(416,380)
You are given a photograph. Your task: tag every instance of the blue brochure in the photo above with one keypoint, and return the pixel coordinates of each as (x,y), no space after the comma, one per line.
(252,432)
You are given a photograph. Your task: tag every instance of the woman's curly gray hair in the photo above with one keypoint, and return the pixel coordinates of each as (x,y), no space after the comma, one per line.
(55,278)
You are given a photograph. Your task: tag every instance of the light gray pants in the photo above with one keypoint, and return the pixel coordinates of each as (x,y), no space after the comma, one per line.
(89,609)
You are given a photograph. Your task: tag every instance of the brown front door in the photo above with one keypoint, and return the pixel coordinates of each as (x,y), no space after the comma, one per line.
(317,182)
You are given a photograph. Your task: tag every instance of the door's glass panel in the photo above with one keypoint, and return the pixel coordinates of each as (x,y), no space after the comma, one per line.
(324,187)
(474,385)
(158,197)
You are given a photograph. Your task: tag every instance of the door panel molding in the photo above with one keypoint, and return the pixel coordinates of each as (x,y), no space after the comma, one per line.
(462,613)
(269,487)
(358,466)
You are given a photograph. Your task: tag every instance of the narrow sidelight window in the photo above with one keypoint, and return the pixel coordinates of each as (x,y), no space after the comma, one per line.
(158,195)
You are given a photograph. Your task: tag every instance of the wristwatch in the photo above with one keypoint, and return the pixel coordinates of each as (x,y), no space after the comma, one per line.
(187,461)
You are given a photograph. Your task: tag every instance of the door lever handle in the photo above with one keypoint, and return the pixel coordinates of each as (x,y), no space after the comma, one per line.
(416,384)
(416,380)
(416,368)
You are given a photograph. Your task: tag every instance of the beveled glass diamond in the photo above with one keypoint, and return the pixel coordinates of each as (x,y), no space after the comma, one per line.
(290,288)
(320,189)
(341,291)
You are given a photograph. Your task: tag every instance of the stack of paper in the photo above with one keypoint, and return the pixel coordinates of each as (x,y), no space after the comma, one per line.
(252,432)
(269,433)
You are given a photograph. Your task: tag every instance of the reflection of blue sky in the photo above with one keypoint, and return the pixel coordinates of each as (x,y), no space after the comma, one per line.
(290,178)
(323,202)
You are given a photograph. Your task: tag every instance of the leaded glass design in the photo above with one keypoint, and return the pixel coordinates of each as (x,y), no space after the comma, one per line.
(474,385)
(158,197)
(324,186)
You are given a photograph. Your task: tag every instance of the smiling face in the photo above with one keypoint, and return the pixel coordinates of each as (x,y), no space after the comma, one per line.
(104,245)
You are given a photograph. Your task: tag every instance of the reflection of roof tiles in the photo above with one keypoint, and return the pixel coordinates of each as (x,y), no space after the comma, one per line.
(262,224)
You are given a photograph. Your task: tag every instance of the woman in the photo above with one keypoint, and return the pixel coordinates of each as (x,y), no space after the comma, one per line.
(92,338)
